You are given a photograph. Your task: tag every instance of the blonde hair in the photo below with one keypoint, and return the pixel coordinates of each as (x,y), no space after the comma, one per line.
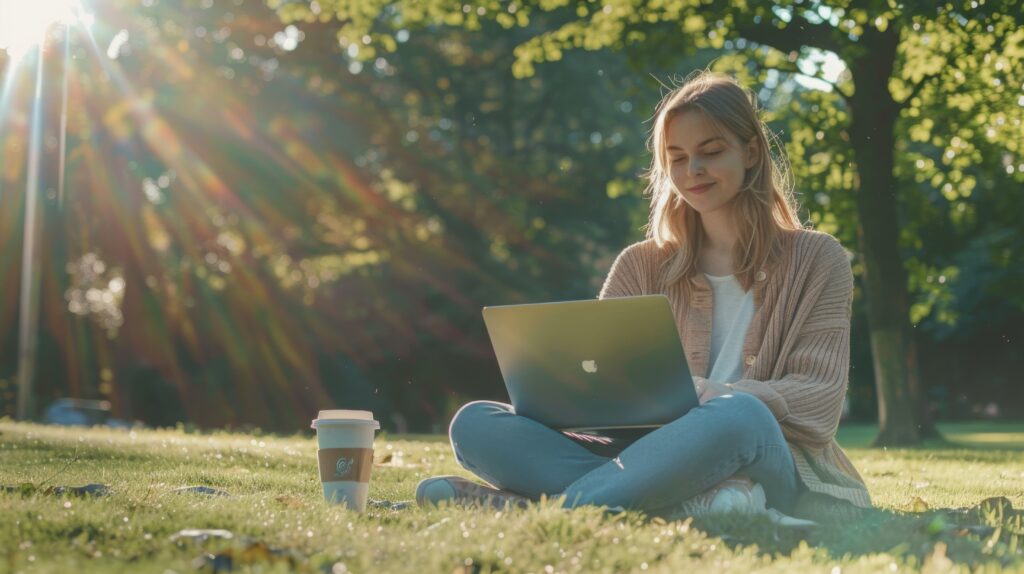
(763,209)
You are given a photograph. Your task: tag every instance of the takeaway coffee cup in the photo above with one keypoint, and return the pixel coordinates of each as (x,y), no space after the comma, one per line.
(345,454)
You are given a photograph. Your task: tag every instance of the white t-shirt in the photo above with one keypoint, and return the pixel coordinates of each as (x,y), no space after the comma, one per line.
(732,311)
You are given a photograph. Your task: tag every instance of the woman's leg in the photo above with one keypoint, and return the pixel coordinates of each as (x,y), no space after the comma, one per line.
(728,434)
(516,453)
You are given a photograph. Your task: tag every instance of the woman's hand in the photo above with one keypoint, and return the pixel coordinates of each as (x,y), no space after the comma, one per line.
(707,390)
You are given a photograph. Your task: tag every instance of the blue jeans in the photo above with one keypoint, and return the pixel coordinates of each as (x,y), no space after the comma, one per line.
(653,472)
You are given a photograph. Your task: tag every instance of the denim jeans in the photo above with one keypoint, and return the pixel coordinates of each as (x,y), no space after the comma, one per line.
(654,472)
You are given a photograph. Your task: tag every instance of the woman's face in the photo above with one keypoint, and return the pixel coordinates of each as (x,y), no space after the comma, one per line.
(706,166)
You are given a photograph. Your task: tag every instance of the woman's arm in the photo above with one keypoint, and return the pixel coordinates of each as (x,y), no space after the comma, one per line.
(808,400)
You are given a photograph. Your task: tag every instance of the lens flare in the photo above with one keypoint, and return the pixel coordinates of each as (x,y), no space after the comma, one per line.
(23,25)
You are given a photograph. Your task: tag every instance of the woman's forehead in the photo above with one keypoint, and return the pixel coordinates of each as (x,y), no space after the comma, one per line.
(691,129)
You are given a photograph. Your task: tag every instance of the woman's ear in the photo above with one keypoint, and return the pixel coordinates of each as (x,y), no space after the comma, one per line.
(752,152)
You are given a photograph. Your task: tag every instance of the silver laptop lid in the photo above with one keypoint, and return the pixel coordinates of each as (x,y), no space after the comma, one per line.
(608,363)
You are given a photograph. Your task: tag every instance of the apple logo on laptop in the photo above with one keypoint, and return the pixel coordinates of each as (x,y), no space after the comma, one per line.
(590,366)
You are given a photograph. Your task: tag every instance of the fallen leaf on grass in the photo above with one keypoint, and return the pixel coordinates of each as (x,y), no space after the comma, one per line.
(205,490)
(918,505)
(27,489)
(290,501)
(388,505)
(254,552)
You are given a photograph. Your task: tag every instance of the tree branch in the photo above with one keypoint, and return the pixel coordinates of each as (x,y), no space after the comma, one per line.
(800,32)
(794,69)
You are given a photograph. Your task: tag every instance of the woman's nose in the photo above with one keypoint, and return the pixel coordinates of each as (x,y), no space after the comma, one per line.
(695,167)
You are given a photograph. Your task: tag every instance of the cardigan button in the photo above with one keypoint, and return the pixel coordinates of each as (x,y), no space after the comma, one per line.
(750,360)
(760,276)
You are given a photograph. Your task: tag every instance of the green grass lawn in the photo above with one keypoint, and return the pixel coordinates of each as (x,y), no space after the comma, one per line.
(279,521)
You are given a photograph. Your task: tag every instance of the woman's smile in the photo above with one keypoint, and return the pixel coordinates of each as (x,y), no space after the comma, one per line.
(700,188)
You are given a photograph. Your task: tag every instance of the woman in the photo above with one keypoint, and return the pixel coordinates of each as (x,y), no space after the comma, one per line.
(763,311)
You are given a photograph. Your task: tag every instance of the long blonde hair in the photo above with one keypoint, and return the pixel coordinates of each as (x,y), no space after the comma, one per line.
(763,209)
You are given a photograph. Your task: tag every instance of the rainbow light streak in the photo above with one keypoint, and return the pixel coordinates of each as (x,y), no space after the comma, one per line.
(5,92)
(29,307)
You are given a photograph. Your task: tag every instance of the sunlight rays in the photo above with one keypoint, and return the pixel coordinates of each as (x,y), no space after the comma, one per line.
(261,253)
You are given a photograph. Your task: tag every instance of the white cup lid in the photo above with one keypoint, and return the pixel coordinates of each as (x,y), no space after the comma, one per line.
(342,416)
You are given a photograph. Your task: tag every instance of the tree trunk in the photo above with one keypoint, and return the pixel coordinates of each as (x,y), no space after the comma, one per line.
(874,114)
(925,424)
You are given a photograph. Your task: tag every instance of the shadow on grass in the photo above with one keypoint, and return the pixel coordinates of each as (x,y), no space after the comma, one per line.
(989,533)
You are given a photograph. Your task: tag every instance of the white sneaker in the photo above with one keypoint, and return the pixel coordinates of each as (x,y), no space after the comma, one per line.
(737,494)
(739,499)
(432,491)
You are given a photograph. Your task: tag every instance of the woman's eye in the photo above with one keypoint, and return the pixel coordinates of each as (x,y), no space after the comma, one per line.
(708,154)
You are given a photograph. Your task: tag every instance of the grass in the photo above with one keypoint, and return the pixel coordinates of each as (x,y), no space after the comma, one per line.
(280,523)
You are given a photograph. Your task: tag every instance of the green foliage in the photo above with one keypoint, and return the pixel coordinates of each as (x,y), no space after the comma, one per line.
(957,74)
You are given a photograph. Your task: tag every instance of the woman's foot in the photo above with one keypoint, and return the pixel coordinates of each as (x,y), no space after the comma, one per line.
(734,494)
(737,494)
(458,490)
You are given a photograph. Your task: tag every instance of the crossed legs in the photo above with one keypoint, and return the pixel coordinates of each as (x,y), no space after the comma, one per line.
(724,436)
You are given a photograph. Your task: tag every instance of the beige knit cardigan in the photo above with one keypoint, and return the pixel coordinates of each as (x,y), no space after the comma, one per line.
(796,352)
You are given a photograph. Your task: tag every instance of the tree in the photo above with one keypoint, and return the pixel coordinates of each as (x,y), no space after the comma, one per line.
(904,65)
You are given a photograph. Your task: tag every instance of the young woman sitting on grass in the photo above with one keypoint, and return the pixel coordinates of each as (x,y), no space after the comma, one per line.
(763,310)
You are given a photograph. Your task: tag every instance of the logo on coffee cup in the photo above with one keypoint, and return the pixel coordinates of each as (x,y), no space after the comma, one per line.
(344,466)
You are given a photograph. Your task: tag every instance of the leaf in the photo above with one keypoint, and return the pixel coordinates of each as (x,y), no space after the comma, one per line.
(919,505)
(256,552)
(204,490)
(936,526)
(93,489)
(253,552)
(290,501)
(28,488)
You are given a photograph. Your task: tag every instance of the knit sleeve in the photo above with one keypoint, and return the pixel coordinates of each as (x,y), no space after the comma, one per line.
(629,274)
(808,400)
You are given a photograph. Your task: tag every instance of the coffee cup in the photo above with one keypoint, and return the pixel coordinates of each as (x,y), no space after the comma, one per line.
(345,455)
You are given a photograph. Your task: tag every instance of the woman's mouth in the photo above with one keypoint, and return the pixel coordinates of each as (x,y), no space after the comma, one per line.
(700,188)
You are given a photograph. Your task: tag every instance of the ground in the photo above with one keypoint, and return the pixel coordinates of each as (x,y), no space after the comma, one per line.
(277,520)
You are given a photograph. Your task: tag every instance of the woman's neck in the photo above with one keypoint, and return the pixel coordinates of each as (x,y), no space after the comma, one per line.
(719,231)
(715,257)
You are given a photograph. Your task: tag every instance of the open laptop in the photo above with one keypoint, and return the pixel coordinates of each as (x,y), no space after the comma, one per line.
(595,364)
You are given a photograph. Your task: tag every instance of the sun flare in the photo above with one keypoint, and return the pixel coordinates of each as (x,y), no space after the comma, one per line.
(24,23)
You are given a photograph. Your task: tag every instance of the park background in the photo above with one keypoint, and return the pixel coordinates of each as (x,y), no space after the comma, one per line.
(253,211)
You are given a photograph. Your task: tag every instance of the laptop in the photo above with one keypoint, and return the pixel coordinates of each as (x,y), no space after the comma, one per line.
(595,364)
